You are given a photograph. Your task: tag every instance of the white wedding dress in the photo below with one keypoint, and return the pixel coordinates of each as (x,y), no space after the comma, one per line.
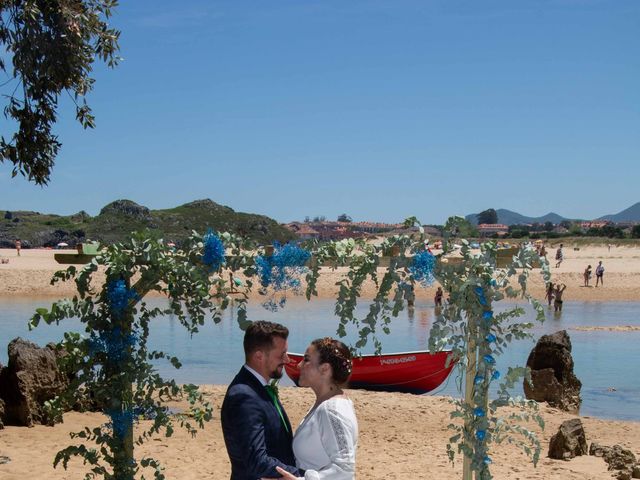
(326,440)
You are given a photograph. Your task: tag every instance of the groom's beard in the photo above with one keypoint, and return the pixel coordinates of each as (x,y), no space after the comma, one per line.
(277,373)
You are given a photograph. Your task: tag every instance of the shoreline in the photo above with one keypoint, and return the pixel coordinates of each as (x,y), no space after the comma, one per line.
(401,436)
(30,274)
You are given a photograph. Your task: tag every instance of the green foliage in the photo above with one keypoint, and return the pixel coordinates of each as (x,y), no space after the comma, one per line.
(52,46)
(457,227)
(120,379)
(476,335)
(635,231)
(609,231)
(363,259)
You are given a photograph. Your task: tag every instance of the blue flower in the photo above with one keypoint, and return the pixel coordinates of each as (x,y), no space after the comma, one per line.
(113,343)
(489,359)
(121,421)
(490,338)
(478,412)
(422,267)
(478,379)
(263,267)
(487,315)
(486,460)
(480,434)
(495,375)
(119,296)
(213,255)
(281,270)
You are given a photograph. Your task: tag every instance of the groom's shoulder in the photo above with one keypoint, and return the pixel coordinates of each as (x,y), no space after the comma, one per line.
(242,384)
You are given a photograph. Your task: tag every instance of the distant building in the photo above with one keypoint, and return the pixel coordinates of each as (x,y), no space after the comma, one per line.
(339,230)
(488,229)
(303,231)
(594,224)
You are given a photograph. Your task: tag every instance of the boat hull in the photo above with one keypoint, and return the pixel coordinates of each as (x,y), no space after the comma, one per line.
(410,372)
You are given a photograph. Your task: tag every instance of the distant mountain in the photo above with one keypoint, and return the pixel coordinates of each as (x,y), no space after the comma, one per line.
(631,214)
(507,217)
(118,219)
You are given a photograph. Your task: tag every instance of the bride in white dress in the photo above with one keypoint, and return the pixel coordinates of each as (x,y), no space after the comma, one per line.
(326,440)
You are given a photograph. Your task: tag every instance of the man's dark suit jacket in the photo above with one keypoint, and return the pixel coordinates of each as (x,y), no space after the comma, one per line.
(253,432)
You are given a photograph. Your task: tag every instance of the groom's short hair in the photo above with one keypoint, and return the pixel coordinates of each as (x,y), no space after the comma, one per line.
(259,336)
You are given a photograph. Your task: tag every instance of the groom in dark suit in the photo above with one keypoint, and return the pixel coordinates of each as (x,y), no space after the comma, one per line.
(255,426)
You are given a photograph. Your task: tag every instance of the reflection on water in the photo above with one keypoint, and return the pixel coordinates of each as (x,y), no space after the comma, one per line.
(604,360)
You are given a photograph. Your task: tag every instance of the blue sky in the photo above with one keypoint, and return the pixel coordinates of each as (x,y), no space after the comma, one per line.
(378,109)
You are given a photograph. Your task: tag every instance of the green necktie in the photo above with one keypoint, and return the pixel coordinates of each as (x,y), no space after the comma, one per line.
(272,390)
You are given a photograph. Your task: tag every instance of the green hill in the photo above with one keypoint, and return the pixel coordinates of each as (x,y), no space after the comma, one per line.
(118,219)
(631,214)
(508,217)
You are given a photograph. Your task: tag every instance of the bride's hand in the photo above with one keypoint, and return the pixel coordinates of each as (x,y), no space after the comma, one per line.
(286,475)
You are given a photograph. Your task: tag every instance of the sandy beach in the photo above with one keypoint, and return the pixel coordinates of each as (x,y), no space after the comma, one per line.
(401,436)
(30,275)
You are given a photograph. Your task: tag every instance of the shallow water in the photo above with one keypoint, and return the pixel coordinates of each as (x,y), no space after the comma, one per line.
(604,360)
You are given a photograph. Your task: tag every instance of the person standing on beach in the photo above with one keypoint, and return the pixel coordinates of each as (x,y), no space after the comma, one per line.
(256,429)
(18,246)
(587,275)
(557,304)
(599,274)
(559,256)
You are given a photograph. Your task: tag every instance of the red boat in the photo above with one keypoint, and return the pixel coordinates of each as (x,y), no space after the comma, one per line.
(409,372)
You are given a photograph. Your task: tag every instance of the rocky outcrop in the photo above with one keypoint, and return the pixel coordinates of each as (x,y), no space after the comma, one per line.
(208,204)
(598,450)
(51,238)
(80,217)
(127,208)
(570,441)
(619,459)
(552,377)
(31,378)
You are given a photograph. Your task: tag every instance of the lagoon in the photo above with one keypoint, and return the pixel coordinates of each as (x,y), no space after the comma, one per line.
(607,362)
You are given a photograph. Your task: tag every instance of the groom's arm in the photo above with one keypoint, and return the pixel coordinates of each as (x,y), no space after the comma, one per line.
(248,422)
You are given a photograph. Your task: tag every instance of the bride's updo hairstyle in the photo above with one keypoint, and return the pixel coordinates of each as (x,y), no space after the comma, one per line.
(336,354)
